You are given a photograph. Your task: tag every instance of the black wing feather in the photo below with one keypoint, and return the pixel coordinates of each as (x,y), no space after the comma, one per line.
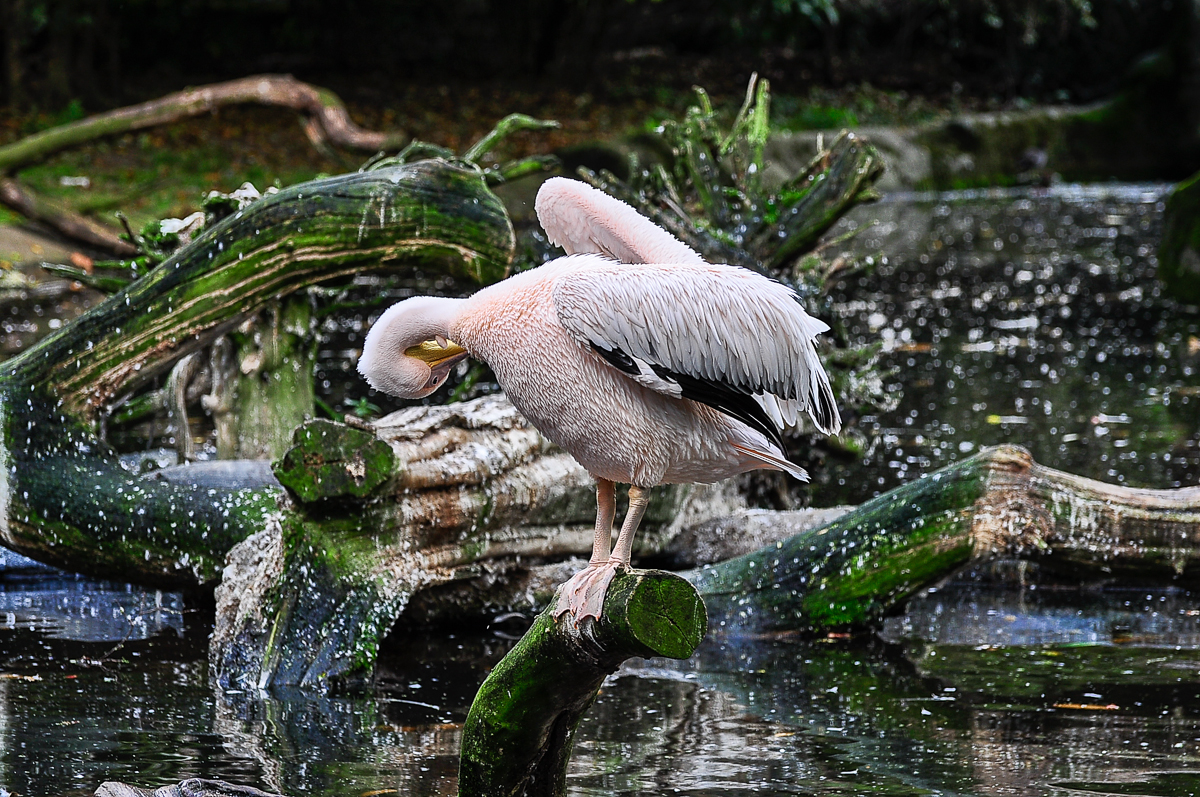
(736,402)
(733,401)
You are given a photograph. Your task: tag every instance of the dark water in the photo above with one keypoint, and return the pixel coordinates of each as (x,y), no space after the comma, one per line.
(1021,706)
(1028,317)
(1023,317)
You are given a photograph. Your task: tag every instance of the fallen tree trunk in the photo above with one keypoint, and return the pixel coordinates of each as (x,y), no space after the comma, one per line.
(485,504)
(999,502)
(76,227)
(434,496)
(64,497)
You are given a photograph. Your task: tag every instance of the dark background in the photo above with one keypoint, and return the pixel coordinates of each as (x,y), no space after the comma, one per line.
(102,53)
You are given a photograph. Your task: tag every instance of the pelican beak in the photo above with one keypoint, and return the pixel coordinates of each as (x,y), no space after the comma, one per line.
(433,354)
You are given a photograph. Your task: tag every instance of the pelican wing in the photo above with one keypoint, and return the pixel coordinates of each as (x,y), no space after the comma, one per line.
(585,220)
(720,335)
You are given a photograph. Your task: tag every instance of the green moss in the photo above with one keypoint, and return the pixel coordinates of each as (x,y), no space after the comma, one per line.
(856,568)
(332,460)
(518,734)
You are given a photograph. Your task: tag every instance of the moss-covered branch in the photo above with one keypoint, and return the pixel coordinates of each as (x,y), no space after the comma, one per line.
(1000,502)
(430,212)
(518,735)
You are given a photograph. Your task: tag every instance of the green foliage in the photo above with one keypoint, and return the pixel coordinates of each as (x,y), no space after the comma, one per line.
(476,154)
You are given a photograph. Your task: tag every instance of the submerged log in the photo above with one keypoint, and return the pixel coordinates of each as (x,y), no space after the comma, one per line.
(518,734)
(64,497)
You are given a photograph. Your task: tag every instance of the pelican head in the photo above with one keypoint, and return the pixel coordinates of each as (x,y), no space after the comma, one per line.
(407,352)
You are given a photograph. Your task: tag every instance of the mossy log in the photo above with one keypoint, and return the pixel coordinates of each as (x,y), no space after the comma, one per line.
(863,565)
(64,497)
(518,734)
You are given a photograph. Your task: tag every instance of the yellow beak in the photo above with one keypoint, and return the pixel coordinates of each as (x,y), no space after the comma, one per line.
(433,354)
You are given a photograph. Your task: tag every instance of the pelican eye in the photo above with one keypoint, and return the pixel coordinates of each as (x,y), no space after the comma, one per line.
(432,354)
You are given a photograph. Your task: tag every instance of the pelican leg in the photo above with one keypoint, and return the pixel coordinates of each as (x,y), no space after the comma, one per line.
(606,510)
(639,499)
(575,595)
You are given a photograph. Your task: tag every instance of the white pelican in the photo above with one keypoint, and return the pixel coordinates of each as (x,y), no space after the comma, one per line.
(662,369)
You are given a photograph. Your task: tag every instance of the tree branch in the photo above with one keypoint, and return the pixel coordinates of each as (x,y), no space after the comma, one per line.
(332,124)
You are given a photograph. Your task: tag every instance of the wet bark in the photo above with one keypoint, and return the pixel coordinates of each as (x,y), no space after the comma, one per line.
(192,787)
(65,498)
(428,498)
(465,509)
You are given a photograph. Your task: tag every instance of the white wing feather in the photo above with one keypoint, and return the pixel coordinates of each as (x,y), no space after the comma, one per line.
(721,324)
(585,220)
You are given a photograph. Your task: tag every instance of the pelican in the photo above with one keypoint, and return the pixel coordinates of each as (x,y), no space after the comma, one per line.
(644,362)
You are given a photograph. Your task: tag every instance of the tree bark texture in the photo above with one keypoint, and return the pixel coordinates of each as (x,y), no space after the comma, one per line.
(435,496)
(64,497)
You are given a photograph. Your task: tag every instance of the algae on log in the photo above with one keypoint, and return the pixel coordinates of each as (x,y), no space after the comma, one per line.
(863,565)
(464,489)
(518,734)
(64,497)
(1179,252)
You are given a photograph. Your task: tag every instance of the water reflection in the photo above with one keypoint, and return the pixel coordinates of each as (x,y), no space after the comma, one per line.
(934,712)
(1024,317)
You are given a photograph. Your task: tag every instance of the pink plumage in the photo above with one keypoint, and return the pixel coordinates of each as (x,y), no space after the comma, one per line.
(646,372)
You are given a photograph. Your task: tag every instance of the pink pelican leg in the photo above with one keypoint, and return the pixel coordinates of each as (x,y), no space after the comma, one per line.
(579,594)
(583,595)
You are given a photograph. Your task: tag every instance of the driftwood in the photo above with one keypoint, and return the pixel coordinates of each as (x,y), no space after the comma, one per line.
(323,118)
(465,493)
(326,119)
